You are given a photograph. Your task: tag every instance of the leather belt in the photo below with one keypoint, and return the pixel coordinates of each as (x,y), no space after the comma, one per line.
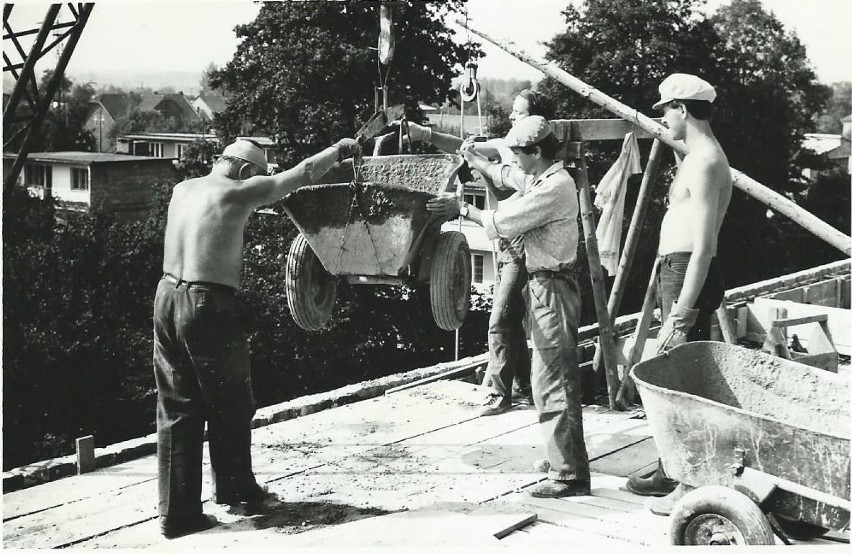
(178,282)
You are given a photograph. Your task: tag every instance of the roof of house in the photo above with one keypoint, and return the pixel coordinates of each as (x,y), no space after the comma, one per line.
(153,102)
(820,143)
(116,104)
(170,137)
(72,157)
(216,102)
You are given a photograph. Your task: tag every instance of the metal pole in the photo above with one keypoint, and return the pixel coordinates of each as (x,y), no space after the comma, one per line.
(742,181)
(55,81)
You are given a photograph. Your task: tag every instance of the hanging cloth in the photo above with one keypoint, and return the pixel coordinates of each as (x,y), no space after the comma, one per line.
(609,197)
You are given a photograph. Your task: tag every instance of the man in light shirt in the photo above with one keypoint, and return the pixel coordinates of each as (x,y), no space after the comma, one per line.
(545,213)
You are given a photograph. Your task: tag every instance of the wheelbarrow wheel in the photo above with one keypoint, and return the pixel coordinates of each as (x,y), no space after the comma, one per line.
(449,280)
(716,515)
(311,290)
(799,530)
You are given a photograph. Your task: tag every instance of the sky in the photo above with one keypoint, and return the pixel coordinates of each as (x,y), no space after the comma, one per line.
(187,35)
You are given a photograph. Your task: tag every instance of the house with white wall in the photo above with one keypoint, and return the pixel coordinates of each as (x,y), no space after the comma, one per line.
(160,145)
(81,180)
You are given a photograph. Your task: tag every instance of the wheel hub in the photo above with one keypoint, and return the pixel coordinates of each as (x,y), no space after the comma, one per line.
(713,529)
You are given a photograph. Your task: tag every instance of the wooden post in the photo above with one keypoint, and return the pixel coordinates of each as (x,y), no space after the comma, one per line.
(628,389)
(606,335)
(631,243)
(726,326)
(742,181)
(85,454)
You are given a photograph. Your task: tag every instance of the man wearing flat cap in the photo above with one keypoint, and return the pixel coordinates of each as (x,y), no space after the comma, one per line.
(689,282)
(201,355)
(545,213)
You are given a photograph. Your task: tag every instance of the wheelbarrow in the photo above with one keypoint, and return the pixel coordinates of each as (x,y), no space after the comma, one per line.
(763,442)
(373,228)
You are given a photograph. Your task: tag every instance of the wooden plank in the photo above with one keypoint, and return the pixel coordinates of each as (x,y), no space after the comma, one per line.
(597,129)
(308,441)
(452,373)
(793,321)
(633,524)
(542,534)
(839,320)
(628,460)
(500,519)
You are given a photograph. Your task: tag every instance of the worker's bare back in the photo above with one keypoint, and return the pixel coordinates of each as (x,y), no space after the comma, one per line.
(698,199)
(204,233)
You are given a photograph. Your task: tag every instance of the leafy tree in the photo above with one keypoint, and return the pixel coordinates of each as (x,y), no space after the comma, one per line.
(305,72)
(839,106)
(204,82)
(767,94)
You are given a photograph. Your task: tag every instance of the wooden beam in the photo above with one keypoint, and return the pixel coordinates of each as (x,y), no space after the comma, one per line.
(598,129)
(606,335)
(742,181)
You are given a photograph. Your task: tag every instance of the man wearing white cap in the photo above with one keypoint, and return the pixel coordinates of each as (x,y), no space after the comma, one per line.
(201,355)
(545,213)
(508,353)
(689,282)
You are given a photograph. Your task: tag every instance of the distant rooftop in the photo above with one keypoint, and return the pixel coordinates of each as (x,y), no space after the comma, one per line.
(178,137)
(81,157)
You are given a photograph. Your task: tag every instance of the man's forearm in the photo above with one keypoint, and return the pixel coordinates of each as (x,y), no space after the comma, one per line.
(442,141)
(313,168)
(693,280)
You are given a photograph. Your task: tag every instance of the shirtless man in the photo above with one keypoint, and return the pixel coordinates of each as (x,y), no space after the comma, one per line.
(689,283)
(201,355)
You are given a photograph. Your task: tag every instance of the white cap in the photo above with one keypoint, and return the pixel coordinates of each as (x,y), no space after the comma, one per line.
(247,151)
(528,131)
(683,86)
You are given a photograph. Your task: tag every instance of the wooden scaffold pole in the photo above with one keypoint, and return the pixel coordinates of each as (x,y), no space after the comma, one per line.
(772,199)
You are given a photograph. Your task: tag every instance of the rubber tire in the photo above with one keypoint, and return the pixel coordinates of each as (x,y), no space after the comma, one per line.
(715,500)
(311,290)
(800,530)
(449,280)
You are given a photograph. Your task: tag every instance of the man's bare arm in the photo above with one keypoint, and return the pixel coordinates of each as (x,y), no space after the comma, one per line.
(266,189)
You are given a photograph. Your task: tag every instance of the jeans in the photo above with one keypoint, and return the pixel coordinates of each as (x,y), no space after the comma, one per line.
(556,384)
(201,365)
(507,341)
(670,282)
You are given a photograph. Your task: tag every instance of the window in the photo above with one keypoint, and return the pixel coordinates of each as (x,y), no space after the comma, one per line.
(38,176)
(79,178)
(155,149)
(476,200)
(478,266)
(181,149)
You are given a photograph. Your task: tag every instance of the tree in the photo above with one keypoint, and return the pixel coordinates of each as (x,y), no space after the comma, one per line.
(204,82)
(839,106)
(767,95)
(305,72)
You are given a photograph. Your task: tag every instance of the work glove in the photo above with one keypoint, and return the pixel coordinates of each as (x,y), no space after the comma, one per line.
(346,147)
(675,328)
(444,207)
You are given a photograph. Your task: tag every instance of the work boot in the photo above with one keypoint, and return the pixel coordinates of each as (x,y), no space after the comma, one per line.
(560,489)
(658,484)
(173,527)
(663,506)
(256,498)
(522,396)
(496,404)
